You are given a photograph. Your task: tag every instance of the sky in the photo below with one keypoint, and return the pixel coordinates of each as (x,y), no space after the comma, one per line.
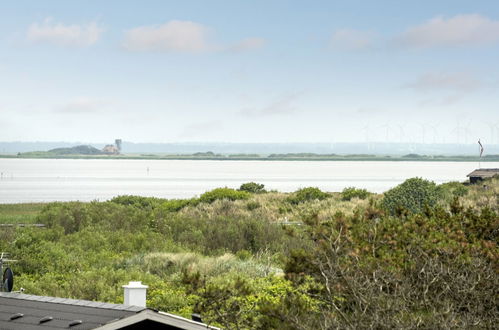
(250,71)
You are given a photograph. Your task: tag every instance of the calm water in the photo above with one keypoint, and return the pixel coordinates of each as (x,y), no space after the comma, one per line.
(43,180)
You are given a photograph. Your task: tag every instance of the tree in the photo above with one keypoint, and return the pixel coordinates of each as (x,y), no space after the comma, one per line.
(253,187)
(413,195)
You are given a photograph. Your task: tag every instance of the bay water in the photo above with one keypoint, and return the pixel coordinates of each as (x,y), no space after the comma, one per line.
(45,180)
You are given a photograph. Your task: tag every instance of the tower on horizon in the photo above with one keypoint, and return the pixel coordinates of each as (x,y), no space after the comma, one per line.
(117,142)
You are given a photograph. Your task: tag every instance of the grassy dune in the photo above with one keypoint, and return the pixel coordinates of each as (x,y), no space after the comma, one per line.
(270,260)
(20,213)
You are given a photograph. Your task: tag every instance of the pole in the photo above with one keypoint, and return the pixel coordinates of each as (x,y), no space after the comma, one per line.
(1,272)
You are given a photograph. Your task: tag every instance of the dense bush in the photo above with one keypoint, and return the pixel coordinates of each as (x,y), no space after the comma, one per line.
(253,187)
(74,216)
(306,195)
(137,201)
(348,265)
(453,189)
(174,205)
(351,192)
(413,195)
(220,234)
(429,270)
(223,193)
(252,205)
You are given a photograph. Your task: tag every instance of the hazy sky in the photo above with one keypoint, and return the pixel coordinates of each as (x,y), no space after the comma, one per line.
(250,71)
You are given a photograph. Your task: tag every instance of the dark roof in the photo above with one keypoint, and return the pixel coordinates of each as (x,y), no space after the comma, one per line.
(152,320)
(62,310)
(484,172)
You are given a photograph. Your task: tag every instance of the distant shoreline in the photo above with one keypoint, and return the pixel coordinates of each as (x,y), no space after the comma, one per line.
(279,157)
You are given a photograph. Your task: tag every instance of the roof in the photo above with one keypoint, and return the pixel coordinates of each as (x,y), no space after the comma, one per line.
(152,320)
(484,172)
(63,311)
(84,314)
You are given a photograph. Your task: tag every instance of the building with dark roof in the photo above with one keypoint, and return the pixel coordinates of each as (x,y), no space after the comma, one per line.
(482,173)
(28,312)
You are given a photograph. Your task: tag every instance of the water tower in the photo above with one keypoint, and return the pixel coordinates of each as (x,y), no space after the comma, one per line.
(117,142)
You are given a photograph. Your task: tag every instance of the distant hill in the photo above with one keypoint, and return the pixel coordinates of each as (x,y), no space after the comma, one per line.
(78,150)
(374,148)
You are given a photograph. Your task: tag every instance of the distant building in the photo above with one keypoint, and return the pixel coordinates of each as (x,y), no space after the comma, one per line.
(117,143)
(111,149)
(482,173)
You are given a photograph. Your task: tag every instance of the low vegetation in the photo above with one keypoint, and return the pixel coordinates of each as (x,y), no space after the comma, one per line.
(88,152)
(306,195)
(420,256)
(352,192)
(19,213)
(414,196)
(253,187)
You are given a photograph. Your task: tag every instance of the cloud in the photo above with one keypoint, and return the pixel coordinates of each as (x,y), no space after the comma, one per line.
(457,82)
(181,36)
(460,30)
(248,44)
(282,106)
(455,85)
(173,36)
(350,39)
(65,35)
(198,129)
(81,105)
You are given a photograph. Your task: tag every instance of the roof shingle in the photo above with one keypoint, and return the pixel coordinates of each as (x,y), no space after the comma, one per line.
(63,310)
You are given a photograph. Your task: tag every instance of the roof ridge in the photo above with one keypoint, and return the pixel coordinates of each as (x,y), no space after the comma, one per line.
(74,302)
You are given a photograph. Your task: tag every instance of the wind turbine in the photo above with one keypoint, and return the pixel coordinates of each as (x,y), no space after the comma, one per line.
(496,126)
(366,129)
(491,128)
(387,127)
(434,128)
(401,132)
(457,130)
(467,131)
(423,131)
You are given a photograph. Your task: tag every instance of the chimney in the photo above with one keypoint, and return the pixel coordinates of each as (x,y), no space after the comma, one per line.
(135,294)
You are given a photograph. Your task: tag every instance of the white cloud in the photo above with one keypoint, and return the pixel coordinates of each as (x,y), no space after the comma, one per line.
(199,129)
(65,35)
(460,30)
(81,105)
(350,39)
(281,106)
(181,36)
(453,87)
(173,36)
(457,82)
(248,44)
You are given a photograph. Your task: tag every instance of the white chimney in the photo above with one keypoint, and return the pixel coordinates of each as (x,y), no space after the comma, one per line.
(135,294)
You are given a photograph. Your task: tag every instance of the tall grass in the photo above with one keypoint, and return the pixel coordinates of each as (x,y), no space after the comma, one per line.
(171,264)
(483,194)
(20,213)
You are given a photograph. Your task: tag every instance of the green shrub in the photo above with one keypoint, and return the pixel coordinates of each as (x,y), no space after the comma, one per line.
(307,194)
(71,216)
(223,193)
(174,205)
(412,195)
(253,187)
(252,205)
(243,254)
(137,201)
(454,189)
(351,192)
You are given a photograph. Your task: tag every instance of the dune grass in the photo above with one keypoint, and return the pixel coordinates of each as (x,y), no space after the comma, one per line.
(20,213)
